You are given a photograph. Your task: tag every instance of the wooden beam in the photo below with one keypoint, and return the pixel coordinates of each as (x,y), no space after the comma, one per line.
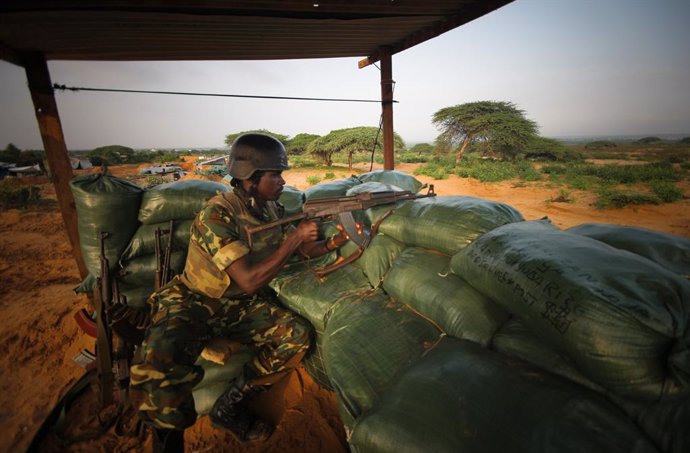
(50,127)
(10,55)
(387,108)
(469,13)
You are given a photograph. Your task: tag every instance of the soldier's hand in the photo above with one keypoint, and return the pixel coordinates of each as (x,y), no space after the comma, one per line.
(307,231)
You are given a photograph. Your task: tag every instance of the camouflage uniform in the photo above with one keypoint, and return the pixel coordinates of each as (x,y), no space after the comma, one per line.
(203,303)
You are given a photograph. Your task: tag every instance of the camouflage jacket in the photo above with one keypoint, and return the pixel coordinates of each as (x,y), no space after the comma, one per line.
(218,238)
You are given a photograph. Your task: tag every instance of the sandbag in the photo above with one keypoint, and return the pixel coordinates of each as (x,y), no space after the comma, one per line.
(314,364)
(667,250)
(292,200)
(313,298)
(378,258)
(374,186)
(621,318)
(137,295)
(109,204)
(460,397)
(422,279)
(178,200)
(393,178)
(368,343)
(337,188)
(141,271)
(143,241)
(514,339)
(443,223)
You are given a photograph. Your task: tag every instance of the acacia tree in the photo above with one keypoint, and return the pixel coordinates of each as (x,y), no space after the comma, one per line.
(351,141)
(500,126)
(231,138)
(298,144)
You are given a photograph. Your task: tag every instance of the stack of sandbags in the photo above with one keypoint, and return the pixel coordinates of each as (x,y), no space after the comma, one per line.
(495,334)
(105,204)
(613,321)
(164,207)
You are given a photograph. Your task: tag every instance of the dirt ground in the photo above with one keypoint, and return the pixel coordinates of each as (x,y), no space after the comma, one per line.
(39,337)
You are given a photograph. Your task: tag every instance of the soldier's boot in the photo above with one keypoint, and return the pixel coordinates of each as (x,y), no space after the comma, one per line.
(168,440)
(230,412)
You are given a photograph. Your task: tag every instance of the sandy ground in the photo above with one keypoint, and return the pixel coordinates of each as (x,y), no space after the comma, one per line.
(39,338)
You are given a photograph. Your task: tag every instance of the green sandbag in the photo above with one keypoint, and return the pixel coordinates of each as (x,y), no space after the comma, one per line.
(105,204)
(666,422)
(137,295)
(312,297)
(141,271)
(443,223)
(621,318)
(461,397)
(292,200)
(314,364)
(337,188)
(178,200)
(422,279)
(144,240)
(393,178)
(374,186)
(514,339)
(670,251)
(368,343)
(378,258)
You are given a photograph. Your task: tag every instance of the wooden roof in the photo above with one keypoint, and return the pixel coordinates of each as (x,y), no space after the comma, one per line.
(225,30)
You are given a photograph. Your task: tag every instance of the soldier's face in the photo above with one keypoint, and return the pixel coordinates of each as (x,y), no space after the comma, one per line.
(270,185)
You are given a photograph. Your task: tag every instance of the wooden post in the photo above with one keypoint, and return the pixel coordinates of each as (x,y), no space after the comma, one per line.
(387,108)
(45,107)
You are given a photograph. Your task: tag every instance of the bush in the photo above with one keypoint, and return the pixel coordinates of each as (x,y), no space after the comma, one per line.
(610,198)
(684,140)
(434,170)
(16,195)
(598,144)
(666,191)
(649,140)
(312,179)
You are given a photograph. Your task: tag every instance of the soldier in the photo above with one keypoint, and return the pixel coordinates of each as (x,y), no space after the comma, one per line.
(223,292)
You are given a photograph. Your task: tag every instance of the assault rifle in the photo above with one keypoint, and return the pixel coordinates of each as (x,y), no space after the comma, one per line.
(341,208)
(118,328)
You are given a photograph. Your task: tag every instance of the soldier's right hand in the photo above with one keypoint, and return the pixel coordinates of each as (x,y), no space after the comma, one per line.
(307,231)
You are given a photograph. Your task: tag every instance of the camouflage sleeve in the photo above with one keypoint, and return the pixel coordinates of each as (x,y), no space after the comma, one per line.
(217,232)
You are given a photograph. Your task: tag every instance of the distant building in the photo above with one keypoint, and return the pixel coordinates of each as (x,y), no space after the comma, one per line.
(80,163)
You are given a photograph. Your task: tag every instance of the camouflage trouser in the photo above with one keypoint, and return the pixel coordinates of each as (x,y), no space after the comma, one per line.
(164,373)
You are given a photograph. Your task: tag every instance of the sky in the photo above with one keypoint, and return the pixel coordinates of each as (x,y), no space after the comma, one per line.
(576,67)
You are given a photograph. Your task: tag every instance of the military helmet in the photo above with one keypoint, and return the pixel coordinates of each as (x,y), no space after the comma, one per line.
(253,152)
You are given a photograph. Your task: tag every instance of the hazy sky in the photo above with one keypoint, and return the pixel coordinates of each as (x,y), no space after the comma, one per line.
(577,67)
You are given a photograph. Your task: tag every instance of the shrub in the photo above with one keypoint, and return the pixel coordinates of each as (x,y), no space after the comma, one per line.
(329,175)
(313,179)
(649,140)
(610,198)
(597,144)
(684,140)
(666,191)
(434,170)
(16,195)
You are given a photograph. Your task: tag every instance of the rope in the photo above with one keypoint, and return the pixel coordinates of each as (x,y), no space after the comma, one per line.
(57,86)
